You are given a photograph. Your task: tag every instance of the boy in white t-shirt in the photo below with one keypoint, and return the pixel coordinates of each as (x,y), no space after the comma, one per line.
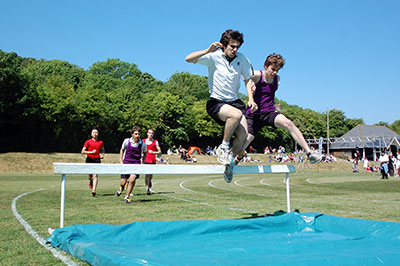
(226,67)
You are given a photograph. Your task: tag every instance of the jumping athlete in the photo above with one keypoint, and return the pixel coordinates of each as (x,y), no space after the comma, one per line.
(267,82)
(226,67)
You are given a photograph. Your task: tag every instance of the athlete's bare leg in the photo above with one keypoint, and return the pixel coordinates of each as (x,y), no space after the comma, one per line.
(232,117)
(282,122)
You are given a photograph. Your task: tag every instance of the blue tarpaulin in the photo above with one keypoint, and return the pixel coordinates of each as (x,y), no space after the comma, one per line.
(289,239)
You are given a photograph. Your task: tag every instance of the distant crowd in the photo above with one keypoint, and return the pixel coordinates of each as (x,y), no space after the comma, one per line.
(278,155)
(389,164)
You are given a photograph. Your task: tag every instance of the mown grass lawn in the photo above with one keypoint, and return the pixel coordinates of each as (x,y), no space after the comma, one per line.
(337,192)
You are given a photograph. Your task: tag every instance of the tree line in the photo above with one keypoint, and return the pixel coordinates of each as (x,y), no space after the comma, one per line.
(51,106)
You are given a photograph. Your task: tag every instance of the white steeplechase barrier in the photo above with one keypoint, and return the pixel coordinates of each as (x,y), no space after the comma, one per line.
(175,169)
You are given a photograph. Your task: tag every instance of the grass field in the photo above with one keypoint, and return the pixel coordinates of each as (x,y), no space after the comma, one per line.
(331,189)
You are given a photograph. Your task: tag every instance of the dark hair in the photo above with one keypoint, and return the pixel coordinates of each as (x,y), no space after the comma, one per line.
(231,35)
(136,128)
(275,59)
(95,128)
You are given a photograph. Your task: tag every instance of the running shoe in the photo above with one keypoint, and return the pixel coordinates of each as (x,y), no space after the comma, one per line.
(228,173)
(148,192)
(93,194)
(222,154)
(119,192)
(315,157)
(127,199)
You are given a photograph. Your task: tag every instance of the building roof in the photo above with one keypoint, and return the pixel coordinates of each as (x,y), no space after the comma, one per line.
(366,136)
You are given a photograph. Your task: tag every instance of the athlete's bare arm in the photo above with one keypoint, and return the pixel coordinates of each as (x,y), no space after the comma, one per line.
(194,57)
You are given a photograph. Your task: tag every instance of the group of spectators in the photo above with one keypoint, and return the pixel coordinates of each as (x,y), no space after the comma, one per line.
(280,155)
(274,154)
(183,153)
(389,164)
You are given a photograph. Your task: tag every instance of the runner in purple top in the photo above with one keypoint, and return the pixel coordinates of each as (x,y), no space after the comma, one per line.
(267,82)
(133,151)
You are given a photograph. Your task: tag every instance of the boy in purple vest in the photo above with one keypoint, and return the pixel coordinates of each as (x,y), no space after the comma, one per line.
(267,82)
(133,151)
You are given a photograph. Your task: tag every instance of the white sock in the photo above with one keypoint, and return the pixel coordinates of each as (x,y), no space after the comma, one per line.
(231,158)
(225,143)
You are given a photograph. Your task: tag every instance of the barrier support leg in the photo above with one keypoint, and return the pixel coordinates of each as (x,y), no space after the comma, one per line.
(62,200)
(287,192)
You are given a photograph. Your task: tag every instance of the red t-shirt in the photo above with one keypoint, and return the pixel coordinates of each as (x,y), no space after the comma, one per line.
(150,157)
(91,145)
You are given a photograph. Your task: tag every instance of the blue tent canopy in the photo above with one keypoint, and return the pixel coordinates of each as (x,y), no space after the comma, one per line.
(289,239)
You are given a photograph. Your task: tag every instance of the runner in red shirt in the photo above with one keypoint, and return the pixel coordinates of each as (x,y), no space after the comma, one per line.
(94,149)
(153,149)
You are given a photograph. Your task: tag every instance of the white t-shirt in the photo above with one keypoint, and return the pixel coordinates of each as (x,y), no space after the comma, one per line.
(398,162)
(365,162)
(224,77)
(384,158)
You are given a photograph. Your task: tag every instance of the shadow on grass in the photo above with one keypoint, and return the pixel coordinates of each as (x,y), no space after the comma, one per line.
(105,194)
(253,215)
(165,192)
(149,200)
(276,213)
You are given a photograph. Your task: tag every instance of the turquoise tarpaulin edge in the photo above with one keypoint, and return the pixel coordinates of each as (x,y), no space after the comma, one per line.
(289,239)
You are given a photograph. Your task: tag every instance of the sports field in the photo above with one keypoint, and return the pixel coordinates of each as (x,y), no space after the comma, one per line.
(30,194)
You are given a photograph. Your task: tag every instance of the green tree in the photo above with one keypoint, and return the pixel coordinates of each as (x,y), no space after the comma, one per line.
(109,91)
(189,87)
(337,125)
(60,102)
(12,87)
(161,111)
(11,84)
(49,103)
(353,122)
(395,126)
(382,123)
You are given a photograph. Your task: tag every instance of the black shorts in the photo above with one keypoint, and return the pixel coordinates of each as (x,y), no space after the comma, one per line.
(257,121)
(93,160)
(214,105)
(127,176)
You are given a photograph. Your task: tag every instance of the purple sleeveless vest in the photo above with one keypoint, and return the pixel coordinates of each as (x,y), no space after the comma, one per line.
(133,154)
(264,95)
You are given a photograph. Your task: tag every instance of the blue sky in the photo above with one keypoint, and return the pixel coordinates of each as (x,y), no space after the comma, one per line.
(341,54)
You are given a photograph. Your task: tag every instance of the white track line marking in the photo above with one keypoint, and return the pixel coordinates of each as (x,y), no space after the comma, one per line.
(309,181)
(205,193)
(200,192)
(34,234)
(237,182)
(231,190)
(207,204)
